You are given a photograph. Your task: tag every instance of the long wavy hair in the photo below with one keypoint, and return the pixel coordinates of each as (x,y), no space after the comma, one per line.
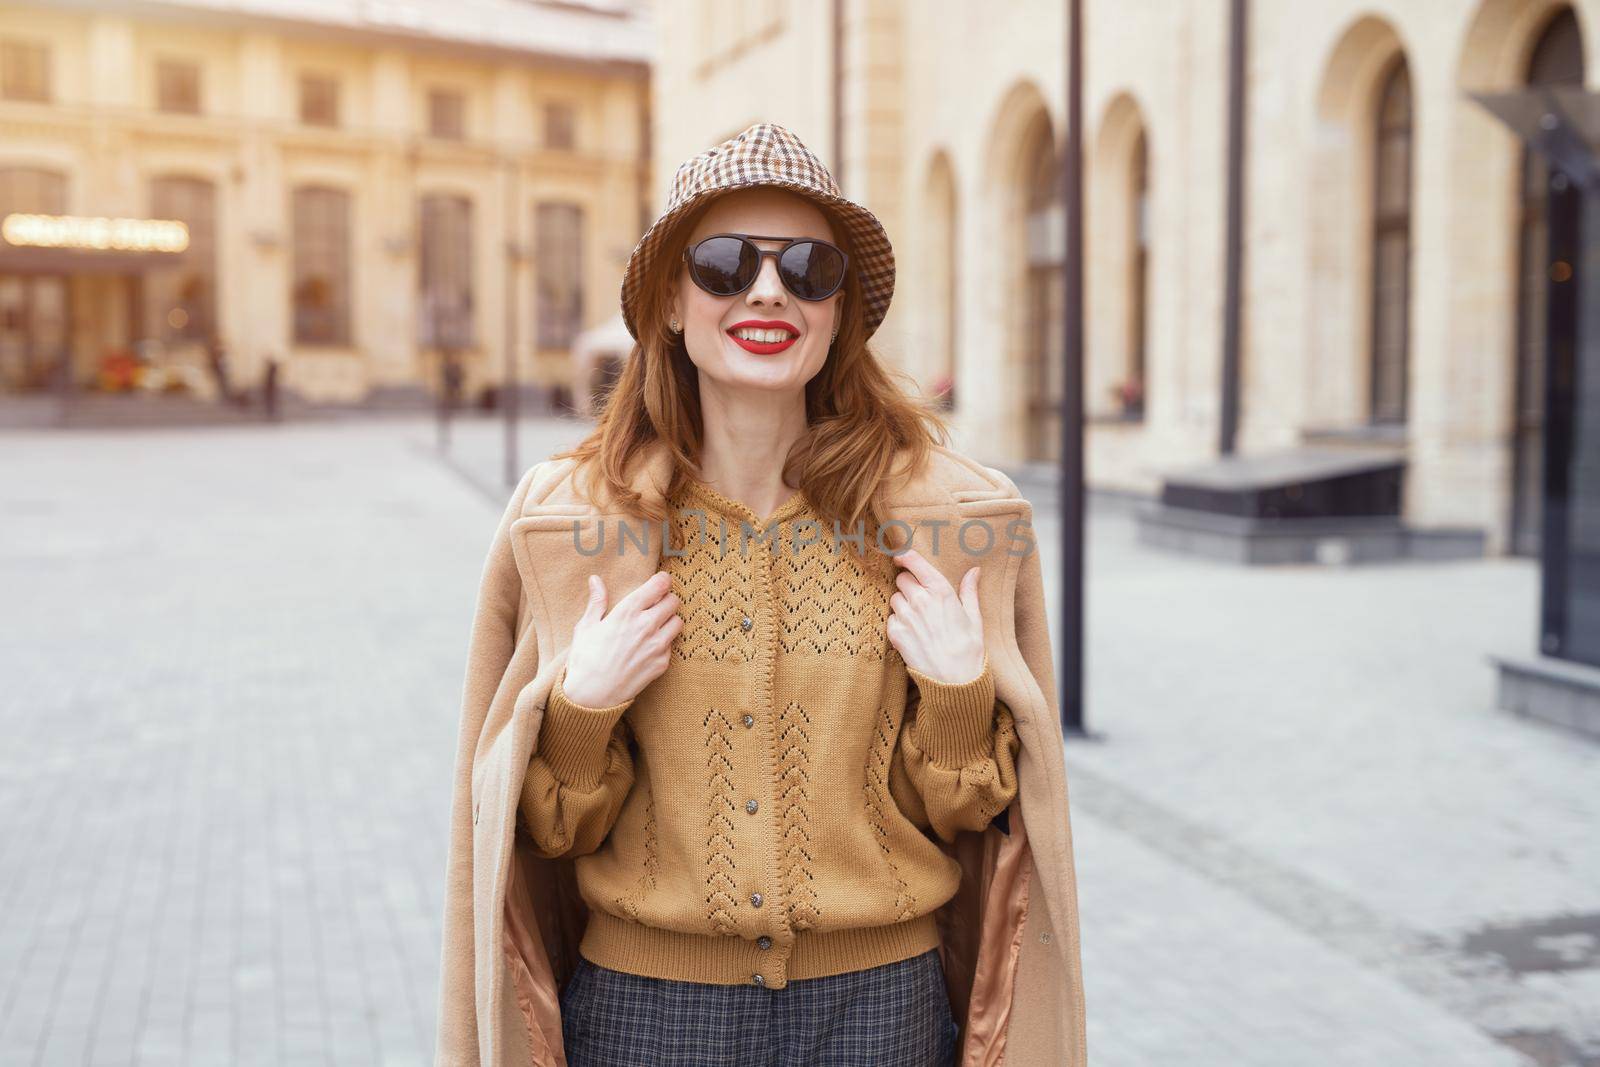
(862,416)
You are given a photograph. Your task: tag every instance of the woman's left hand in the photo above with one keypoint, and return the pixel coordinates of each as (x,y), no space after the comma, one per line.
(934,631)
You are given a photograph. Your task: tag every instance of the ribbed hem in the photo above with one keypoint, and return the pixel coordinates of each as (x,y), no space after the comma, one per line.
(955,723)
(625,945)
(573,738)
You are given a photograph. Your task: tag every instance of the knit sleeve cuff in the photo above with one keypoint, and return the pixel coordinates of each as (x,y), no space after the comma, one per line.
(573,737)
(955,721)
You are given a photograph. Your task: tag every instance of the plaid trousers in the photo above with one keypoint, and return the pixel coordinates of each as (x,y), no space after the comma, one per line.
(894,1015)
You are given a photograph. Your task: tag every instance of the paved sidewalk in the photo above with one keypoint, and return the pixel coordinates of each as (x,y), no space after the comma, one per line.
(233,663)
(1304,835)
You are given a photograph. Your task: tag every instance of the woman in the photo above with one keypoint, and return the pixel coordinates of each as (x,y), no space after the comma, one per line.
(765,799)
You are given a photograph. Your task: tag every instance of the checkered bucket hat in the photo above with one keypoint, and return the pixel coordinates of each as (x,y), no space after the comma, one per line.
(766,154)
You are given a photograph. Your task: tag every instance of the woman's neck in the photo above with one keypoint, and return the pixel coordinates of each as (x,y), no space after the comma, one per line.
(744,450)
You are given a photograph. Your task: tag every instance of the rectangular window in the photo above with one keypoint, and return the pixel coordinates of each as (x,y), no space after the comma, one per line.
(24,71)
(182,299)
(321,266)
(558,244)
(560,126)
(178,86)
(444,274)
(319,100)
(446,114)
(32,191)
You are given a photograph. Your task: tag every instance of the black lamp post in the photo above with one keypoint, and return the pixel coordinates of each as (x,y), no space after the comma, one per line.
(1070,485)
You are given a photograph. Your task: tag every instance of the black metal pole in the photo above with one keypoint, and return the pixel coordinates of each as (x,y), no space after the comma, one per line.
(450,361)
(1070,491)
(64,361)
(1234,239)
(443,437)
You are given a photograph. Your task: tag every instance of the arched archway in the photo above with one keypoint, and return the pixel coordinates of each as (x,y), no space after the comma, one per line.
(1017,283)
(1041,294)
(1358,340)
(939,276)
(1118,239)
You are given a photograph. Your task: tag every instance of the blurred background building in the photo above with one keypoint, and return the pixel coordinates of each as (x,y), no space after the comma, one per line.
(372,190)
(366,187)
(1393,291)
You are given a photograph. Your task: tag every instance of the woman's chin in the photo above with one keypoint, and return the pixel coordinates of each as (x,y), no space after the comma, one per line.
(747,370)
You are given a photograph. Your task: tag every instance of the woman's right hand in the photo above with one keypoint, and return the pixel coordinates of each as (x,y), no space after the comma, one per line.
(614,656)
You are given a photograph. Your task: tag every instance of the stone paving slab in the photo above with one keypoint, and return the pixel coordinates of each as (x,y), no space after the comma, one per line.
(1182,969)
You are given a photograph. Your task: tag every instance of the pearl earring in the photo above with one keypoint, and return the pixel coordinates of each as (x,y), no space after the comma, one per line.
(675,327)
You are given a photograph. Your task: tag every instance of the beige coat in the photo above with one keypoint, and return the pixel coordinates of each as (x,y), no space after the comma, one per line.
(513,920)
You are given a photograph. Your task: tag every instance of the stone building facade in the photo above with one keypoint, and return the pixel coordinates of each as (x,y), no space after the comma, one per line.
(1391,226)
(364,185)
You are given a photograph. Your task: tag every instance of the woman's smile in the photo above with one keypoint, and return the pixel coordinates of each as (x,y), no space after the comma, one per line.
(763,338)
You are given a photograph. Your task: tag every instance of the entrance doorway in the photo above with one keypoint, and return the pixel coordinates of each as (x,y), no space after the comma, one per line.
(33,330)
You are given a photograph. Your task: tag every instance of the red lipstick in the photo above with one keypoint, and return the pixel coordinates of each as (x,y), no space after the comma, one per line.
(763,348)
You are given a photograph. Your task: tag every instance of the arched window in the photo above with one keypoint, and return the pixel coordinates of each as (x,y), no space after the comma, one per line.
(939,272)
(1557,59)
(182,300)
(1391,246)
(1136,388)
(321,296)
(1043,291)
(444,274)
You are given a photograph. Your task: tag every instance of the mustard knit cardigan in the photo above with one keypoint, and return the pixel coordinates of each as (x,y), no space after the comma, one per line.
(759,812)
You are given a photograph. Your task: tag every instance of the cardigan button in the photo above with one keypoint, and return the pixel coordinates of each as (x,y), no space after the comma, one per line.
(749,721)
(764,941)
(751,806)
(755,900)
(758,978)
(746,622)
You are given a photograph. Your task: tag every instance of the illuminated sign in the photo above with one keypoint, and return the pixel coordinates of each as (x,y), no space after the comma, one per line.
(76,231)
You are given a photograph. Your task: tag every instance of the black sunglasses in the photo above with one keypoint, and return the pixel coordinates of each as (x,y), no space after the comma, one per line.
(726,264)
